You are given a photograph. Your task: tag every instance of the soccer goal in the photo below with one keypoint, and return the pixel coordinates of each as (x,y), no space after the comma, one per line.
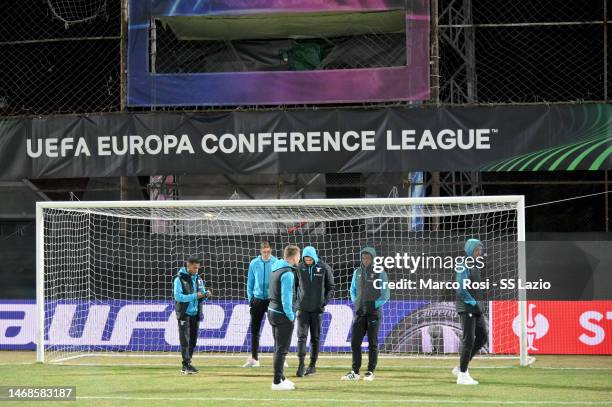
(105,271)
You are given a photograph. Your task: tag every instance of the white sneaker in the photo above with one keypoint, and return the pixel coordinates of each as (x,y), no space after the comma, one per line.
(465,378)
(251,363)
(284,385)
(456,371)
(369,377)
(290,382)
(350,376)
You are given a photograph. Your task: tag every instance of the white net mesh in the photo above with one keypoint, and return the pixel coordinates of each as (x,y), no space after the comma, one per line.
(108,272)
(76,11)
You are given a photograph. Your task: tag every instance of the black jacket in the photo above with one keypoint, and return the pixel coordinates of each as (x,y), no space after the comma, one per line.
(315,286)
(365,297)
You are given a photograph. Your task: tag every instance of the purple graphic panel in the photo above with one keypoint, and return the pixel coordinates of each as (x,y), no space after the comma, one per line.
(409,82)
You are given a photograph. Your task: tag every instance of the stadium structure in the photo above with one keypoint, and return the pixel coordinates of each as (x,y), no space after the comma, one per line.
(137,133)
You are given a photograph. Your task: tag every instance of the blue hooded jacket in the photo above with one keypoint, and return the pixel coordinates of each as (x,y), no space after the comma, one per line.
(192,299)
(465,300)
(258,279)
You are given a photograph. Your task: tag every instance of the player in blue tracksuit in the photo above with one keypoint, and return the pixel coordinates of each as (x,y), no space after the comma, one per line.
(470,311)
(189,291)
(258,281)
(281,313)
(367,301)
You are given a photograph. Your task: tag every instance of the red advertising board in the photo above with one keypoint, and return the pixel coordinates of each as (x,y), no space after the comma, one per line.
(554,327)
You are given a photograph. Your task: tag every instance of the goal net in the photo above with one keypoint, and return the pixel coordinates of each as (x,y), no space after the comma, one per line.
(105,271)
(76,11)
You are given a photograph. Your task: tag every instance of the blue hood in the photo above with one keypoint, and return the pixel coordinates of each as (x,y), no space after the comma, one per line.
(279,264)
(368,250)
(183,270)
(471,245)
(311,252)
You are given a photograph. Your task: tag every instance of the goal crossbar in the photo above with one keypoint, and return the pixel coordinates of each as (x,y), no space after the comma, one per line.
(458,200)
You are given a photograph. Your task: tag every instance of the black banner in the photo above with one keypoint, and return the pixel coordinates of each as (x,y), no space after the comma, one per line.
(502,138)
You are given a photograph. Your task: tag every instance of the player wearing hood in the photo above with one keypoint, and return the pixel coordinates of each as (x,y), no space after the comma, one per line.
(470,311)
(315,287)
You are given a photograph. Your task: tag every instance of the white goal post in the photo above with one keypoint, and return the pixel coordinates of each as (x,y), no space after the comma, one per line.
(104,270)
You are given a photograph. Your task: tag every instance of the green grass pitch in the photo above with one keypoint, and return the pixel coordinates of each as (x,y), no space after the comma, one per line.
(551,380)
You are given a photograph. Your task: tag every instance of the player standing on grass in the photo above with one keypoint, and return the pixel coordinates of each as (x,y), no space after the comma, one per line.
(281,312)
(189,293)
(469,309)
(258,281)
(315,289)
(367,301)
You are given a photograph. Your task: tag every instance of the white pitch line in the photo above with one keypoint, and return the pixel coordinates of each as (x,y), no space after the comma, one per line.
(336,400)
(389,368)
(573,368)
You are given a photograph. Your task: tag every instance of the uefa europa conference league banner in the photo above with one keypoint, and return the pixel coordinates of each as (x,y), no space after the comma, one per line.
(502,138)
